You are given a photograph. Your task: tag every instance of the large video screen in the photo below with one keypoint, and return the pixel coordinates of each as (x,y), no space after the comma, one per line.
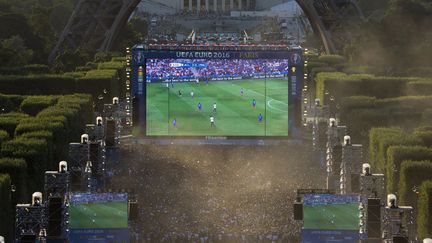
(330,218)
(98,217)
(216,97)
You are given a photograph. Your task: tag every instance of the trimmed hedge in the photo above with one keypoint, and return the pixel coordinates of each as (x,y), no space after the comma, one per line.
(356,70)
(36,84)
(412,174)
(10,102)
(426,118)
(111,65)
(77,108)
(10,121)
(6,214)
(419,88)
(316,70)
(425,136)
(342,85)
(4,136)
(43,140)
(35,153)
(34,104)
(381,138)
(314,64)
(12,71)
(395,156)
(423,129)
(420,71)
(363,113)
(101,74)
(51,146)
(35,124)
(424,216)
(118,59)
(96,81)
(36,69)
(17,170)
(92,82)
(77,74)
(331,59)
(25,70)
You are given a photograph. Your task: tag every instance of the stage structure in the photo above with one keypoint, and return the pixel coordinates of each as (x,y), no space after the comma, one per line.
(56,190)
(399,224)
(30,220)
(320,125)
(78,157)
(372,195)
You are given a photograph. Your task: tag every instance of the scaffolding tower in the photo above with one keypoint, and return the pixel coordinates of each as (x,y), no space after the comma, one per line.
(335,136)
(78,157)
(399,224)
(30,221)
(351,168)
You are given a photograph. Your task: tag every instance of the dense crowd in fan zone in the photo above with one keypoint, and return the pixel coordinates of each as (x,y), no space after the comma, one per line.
(84,198)
(216,193)
(323,199)
(157,69)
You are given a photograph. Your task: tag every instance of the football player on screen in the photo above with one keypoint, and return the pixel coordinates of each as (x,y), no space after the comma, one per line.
(212,121)
(214,107)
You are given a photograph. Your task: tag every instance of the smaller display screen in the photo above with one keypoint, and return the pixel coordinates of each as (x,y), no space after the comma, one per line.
(98,211)
(331,212)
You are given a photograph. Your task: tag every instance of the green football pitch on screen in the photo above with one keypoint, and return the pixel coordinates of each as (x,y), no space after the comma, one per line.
(332,216)
(174,111)
(98,215)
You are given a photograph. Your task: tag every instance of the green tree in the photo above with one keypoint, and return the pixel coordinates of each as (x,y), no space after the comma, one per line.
(67,61)
(13,52)
(40,22)
(59,16)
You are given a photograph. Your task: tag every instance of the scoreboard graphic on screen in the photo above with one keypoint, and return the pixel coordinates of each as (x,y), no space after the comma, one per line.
(217,93)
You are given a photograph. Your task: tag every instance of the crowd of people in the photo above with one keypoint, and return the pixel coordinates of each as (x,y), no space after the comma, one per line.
(163,69)
(197,193)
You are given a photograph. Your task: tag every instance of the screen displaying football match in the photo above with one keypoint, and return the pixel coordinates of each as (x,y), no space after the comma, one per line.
(216,97)
(98,211)
(331,212)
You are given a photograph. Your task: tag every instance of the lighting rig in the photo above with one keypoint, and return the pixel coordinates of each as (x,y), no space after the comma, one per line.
(56,190)
(335,136)
(30,220)
(351,167)
(372,196)
(398,222)
(319,125)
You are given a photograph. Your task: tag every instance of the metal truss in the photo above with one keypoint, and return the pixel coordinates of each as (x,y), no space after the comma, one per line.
(29,220)
(56,184)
